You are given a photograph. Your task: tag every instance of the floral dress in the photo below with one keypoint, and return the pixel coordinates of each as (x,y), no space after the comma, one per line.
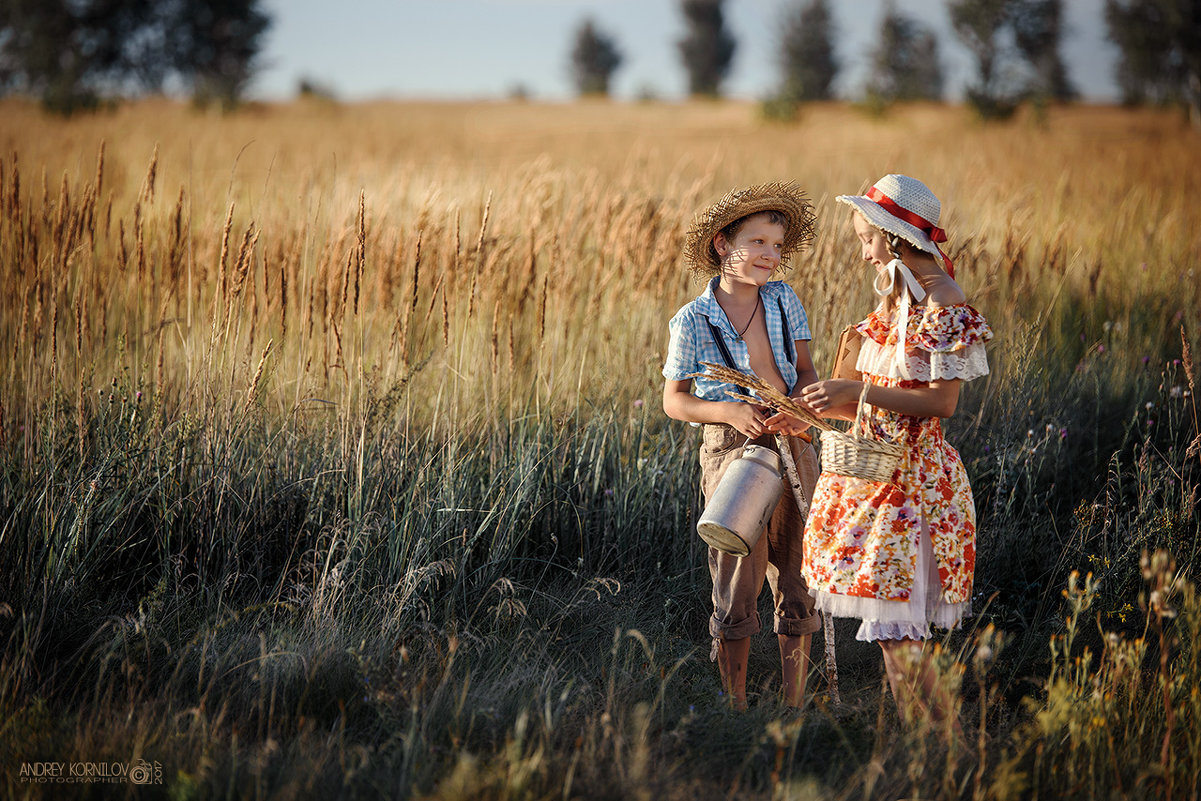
(901,555)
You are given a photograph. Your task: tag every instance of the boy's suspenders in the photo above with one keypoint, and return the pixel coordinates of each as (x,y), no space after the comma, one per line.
(789,347)
(718,340)
(725,352)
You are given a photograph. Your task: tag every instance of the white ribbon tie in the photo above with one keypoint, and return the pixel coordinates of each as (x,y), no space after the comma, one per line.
(914,288)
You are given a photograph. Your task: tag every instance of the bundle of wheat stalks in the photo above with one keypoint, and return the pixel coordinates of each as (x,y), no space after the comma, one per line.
(767,394)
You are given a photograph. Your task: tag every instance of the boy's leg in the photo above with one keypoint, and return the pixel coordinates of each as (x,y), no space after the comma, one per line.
(732,658)
(795,617)
(794,665)
(736,586)
(736,581)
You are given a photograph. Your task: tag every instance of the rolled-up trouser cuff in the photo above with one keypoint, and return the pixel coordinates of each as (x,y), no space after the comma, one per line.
(790,627)
(737,630)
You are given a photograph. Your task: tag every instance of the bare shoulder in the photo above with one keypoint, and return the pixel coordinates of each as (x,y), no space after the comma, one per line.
(945,292)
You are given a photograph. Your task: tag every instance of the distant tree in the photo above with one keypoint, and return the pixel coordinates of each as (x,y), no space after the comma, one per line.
(594,58)
(1160,42)
(74,53)
(218,46)
(807,58)
(313,89)
(1037,31)
(979,25)
(905,63)
(707,49)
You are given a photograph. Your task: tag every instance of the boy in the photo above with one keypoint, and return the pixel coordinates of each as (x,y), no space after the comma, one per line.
(748,322)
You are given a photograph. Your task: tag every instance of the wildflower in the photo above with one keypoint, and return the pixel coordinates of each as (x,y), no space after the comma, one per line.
(1100,349)
(1176,392)
(984,654)
(1146,359)
(1030,432)
(1063,433)
(609,493)
(1148,405)
(638,403)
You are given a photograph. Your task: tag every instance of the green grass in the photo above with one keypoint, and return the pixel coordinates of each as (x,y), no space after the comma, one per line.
(518,611)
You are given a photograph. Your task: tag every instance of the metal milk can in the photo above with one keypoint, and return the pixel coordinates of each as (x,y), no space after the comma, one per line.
(743,502)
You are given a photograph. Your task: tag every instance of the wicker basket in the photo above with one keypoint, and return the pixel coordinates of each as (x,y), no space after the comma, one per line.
(852,454)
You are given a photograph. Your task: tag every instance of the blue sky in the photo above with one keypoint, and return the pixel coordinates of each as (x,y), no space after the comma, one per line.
(363,49)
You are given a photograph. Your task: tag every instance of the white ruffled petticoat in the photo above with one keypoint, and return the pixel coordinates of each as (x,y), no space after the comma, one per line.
(895,620)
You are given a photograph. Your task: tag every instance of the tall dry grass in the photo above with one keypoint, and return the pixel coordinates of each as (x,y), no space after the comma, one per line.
(332,460)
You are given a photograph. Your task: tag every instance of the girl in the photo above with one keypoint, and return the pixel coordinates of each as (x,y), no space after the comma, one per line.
(900,555)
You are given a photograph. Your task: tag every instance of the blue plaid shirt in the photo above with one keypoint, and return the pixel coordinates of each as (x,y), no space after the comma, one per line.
(692,339)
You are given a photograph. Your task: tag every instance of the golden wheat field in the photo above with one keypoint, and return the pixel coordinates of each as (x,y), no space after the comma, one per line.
(333,462)
(517,253)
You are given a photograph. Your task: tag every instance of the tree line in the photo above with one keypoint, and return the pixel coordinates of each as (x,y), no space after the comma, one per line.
(75,54)
(1014,46)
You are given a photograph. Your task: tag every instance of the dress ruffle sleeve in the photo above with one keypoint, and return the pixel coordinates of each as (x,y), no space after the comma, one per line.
(941,343)
(949,328)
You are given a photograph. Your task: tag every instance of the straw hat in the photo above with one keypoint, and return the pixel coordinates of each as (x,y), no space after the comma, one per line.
(898,204)
(786,198)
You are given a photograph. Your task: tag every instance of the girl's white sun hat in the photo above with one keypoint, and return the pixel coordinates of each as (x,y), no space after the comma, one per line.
(898,204)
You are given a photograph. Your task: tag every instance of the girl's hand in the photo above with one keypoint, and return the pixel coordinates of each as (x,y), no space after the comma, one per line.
(746,418)
(785,423)
(825,396)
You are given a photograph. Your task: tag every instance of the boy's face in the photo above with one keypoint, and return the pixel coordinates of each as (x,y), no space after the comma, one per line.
(753,254)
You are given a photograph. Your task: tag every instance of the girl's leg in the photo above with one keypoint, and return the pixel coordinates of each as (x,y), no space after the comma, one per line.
(916,685)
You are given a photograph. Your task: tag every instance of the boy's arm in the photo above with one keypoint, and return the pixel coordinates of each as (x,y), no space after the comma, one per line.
(680,404)
(806,374)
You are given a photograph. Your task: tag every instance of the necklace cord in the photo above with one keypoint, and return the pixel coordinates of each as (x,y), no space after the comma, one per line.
(754,311)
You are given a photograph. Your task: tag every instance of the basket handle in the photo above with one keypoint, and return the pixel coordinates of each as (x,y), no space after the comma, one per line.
(859,411)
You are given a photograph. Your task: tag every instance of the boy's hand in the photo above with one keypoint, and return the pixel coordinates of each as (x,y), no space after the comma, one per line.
(785,423)
(747,418)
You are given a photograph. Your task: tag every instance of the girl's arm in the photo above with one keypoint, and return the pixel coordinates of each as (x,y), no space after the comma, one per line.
(680,404)
(838,397)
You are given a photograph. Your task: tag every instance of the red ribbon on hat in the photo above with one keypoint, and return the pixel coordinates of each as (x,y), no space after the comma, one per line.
(931,230)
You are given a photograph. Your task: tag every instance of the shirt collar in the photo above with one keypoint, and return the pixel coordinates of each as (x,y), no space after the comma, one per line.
(707,304)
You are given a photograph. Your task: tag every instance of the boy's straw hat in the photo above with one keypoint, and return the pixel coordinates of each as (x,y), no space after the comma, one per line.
(898,204)
(786,198)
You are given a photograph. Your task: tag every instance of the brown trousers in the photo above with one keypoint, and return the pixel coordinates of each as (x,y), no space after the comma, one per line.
(737,581)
